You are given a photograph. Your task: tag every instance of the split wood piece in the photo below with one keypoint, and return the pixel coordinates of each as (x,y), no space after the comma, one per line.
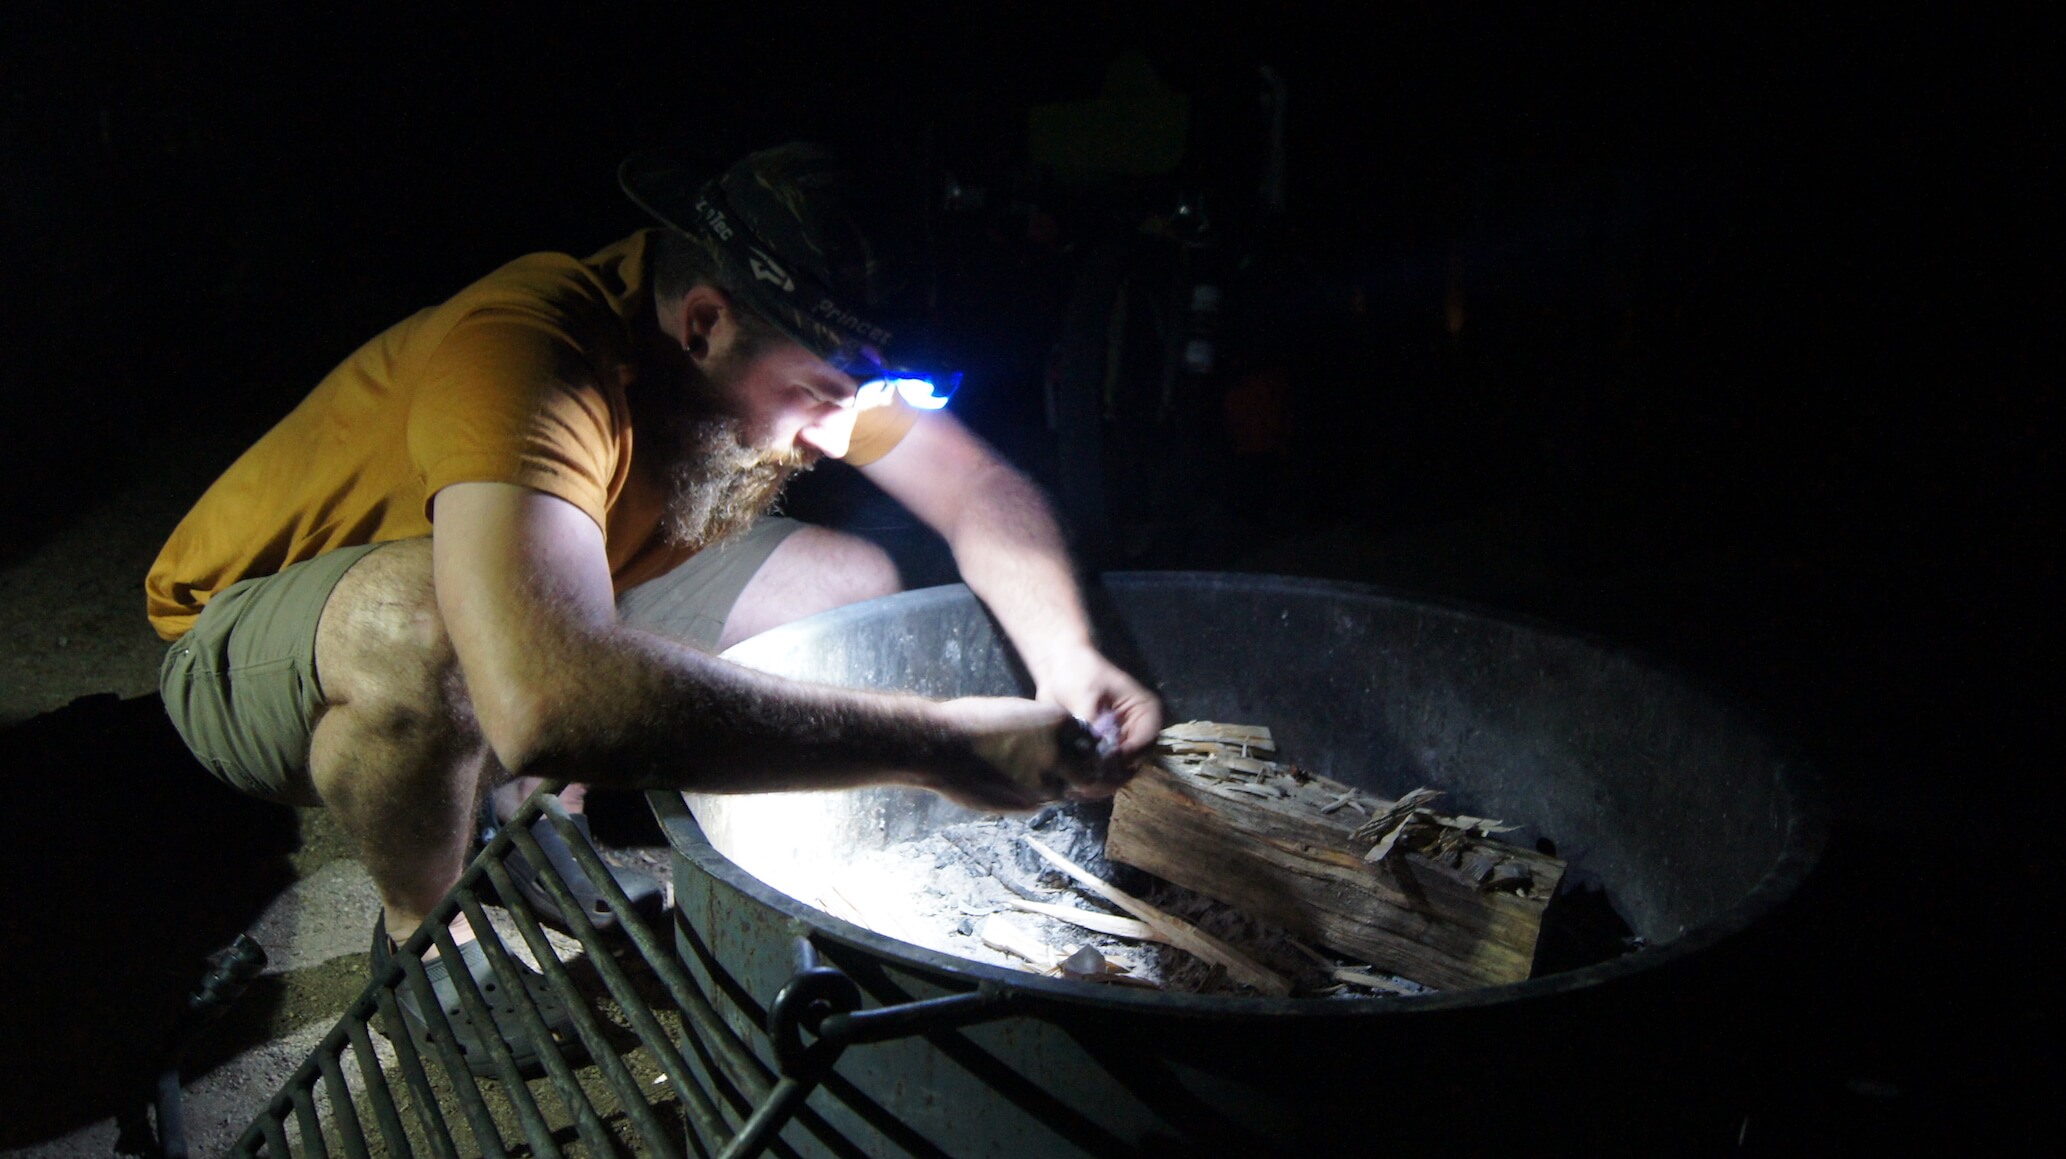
(1388,818)
(1250,736)
(1111,925)
(1467,916)
(1353,976)
(1175,930)
(1370,981)
(1006,936)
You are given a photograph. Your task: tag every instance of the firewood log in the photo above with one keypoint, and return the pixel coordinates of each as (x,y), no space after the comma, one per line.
(1431,897)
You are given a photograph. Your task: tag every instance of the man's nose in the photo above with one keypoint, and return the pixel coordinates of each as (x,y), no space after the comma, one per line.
(829,432)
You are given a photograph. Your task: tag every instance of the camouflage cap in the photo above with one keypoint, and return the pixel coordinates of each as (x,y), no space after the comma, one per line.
(837,262)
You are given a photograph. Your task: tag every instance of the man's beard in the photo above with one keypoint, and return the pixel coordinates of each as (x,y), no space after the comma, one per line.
(718,481)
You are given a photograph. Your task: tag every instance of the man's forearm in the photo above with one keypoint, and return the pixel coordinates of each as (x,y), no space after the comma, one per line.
(633,709)
(1010,552)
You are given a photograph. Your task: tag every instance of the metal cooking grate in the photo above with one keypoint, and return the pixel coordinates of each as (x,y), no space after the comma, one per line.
(589,1100)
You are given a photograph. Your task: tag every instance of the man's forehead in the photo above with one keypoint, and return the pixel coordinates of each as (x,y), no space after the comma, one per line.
(784,362)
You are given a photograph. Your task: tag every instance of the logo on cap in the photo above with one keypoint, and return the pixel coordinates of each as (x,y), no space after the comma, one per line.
(714,218)
(767,269)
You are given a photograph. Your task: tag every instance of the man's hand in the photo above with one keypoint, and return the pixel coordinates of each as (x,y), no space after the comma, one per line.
(1124,715)
(1025,755)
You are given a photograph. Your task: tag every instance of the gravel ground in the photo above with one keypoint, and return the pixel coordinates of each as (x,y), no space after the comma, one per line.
(79,601)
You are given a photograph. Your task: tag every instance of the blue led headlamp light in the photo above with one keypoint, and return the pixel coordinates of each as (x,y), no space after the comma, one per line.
(790,246)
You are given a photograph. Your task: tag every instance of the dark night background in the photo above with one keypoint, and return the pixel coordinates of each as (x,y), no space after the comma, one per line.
(1755,337)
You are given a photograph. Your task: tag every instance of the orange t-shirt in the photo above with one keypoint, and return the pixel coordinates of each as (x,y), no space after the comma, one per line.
(520,378)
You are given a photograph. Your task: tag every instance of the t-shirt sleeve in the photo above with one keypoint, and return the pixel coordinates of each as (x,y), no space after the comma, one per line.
(511,399)
(878,429)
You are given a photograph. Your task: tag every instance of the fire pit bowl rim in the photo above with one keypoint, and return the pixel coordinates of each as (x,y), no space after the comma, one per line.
(1806,833)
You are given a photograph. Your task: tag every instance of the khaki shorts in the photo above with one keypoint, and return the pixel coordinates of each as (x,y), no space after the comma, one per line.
(241,685)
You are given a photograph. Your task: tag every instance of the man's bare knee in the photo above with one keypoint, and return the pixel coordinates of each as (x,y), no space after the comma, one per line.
(848,569)
(387,671)
(381,636)
(812,571)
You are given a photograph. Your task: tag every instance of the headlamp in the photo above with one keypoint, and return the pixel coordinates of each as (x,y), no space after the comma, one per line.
(918,391)
(926,388)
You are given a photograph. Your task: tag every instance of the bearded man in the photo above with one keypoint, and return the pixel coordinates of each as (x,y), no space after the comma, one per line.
(505,540)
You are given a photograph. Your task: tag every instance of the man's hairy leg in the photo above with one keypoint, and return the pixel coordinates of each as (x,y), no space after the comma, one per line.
(395,754)
(812,571)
